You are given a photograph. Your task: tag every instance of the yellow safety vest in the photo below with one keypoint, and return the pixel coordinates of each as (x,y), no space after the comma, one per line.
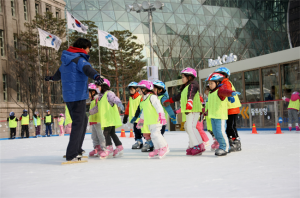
(217,108)
(25,120)
(133,105)
(166,113)
(294,104)
(94,118)
(61,122)
(38,121)
(236,103)
(197,106)
(68,117)
(13,123)
(48,119)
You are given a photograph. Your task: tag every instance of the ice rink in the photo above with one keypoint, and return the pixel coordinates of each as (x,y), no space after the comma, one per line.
(268,166)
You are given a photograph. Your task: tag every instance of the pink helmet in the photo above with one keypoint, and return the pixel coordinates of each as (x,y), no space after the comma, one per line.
(146,84)
(189,71)
(62,115)
(106,81)
(296,92)
(92,86)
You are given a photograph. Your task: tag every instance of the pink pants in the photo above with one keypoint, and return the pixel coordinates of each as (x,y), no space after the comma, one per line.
(201,131)
(68,128)
(62,131)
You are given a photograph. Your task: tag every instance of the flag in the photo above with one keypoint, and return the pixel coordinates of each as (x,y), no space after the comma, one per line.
(75,24)
(49,40)
(107,40)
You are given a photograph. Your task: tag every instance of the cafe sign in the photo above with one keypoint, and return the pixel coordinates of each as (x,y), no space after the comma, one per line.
(225,59)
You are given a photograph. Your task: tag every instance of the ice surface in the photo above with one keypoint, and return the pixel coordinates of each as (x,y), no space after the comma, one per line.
(268,166)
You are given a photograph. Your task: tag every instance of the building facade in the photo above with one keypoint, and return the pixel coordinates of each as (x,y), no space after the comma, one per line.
(13,15)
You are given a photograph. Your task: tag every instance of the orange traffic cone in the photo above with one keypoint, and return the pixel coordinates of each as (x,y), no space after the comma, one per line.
(254,131)
(123,133)
(131,134)
(278,129)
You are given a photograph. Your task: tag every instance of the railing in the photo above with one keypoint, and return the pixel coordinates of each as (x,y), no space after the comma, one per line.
(263,114)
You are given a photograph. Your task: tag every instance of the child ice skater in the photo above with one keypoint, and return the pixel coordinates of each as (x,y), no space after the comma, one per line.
(233,105)
(61,120)
(24,123)
(97,134)
(153,118)
(68,121)
(218,111)
(132,105)
(109,118)
(12,123)
(190,108)
(48,120)
(37,124)
(293,109)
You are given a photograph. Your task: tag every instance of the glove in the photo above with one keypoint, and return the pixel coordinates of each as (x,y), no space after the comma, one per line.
(162,119)
(125,119)
(168,102)
(121,106)
(140,124)
(189,104)
(49,78)
(173,119)
(133,120)
(177,111)
(283,98)
(231,99)
(235,93)
(99,79)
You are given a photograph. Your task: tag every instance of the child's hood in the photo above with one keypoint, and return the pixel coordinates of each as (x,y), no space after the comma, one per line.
(295,96)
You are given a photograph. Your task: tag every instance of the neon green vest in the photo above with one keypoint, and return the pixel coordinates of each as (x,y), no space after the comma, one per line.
(150,114)
(109,116)
(48,119)
(197,106)
(133,105)
(217,108)
(208,121)
(236,103)
(25,120)
(61,122)
(38,121)
(294,104)
(68,117)
(166,113)
(93,118)
(13,123)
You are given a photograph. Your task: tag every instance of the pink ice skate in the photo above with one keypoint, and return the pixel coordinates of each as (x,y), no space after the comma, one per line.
(95,151)
(189,151)
(154,153)
(108,153)
(297,128)
(198,150)
(118,152)
(215,145)
(290,128)
(163,152)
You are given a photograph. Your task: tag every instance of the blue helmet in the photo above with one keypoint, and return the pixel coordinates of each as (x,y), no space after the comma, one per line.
(132,84)
(216,77)
(11,114)
(208,77)
(25,110)
(159,84)
(223,70)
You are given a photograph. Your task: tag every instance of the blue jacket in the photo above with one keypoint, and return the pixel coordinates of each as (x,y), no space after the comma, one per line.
(73,73)
(168,108)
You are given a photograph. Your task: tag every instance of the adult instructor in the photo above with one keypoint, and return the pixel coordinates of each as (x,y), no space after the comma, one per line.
(74,73)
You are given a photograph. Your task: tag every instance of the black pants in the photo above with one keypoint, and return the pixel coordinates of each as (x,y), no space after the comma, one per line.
(79,124)
(231,130)
(137,132)
(163,129)
(110,133)
(24,129)
(12,133)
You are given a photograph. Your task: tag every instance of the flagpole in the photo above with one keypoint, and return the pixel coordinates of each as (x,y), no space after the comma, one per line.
(99,61)
(37,40)
(67,27)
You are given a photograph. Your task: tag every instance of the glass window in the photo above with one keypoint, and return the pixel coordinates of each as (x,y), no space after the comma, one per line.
(252,86)
(47,9)
(57,15)
(2,51)
(13,9)
(236,80)
(4,77)
(25,9)
(37,10)
(18,90)
(290,78)
(270,83)
(16,44)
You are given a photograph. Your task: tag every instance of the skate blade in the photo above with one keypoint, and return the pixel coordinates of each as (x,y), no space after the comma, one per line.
(120,154)
(107,157)
(154,157)
(73,162)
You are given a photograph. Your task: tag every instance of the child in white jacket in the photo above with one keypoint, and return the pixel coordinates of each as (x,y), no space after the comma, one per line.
(152,119)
